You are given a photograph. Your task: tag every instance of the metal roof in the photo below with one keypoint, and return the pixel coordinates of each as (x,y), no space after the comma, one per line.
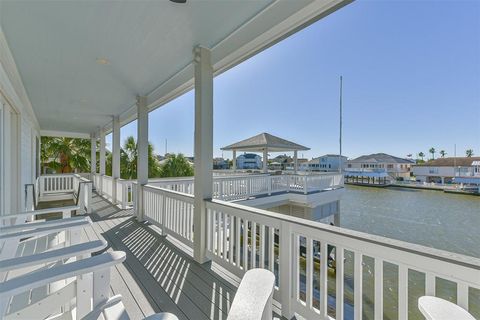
(381,158)
(264,141)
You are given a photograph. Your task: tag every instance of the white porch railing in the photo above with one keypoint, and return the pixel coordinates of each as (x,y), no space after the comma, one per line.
(59,184)
(241,238)
(225,187)
(239,187)
(172,211)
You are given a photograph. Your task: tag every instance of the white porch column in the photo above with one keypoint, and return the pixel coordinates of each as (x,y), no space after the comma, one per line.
(142,150)
(102,153)
(265,160)
(93,155)
(102,159)
(203,149)
(115,156)
(295,161)
(234,160)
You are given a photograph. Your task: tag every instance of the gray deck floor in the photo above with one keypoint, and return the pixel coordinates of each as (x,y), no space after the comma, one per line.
(157,275)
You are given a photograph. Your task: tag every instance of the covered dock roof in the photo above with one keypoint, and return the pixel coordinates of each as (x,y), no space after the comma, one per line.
(265,141)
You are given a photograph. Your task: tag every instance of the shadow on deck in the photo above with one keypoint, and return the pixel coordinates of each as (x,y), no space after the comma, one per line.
(157,275)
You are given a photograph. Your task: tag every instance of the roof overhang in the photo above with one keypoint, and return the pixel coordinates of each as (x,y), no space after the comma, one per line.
(84,62)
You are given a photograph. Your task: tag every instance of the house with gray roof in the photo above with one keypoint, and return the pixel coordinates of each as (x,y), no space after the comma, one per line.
(394,166)
(325,163)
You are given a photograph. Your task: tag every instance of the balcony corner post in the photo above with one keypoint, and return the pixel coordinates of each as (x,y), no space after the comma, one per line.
(102,159)
(203,189)
(286,273)
(142,149)
(93,155)
(115,157)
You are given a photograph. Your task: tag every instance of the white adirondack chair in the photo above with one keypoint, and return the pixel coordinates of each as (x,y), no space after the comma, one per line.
(253,300)
(23,217)
(32,238)
(85,294)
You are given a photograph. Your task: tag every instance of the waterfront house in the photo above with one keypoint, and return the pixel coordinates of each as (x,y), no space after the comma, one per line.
(85,69)
(248,161)
(325,163)
(395,167)
(280,162)
(220,163)
(443,170)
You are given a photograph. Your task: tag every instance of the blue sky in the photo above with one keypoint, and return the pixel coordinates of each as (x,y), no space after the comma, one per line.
(411,74)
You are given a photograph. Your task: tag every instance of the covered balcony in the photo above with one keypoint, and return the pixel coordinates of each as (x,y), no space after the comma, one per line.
(84,69)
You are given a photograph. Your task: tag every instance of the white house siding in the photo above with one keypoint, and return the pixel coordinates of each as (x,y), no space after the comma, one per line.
(15,100)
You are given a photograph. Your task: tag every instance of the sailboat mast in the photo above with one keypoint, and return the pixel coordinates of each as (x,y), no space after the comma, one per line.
(341,111)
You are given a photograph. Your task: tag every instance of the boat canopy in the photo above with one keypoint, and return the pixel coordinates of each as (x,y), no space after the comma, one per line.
(467,180)
(366,174)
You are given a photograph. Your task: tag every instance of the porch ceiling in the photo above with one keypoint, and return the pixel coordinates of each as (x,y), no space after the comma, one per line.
(83,61)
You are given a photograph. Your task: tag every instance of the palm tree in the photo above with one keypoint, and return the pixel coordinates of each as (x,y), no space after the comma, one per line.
(421,155)
(66,154)
(176,165)
(128,160)
(469,152)
(442,153)
(432,151)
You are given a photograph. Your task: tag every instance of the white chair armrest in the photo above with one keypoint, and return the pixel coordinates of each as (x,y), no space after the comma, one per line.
(39,278)
(48,229)
(253,300)
(35,225)
(116,302)
(24,215)
(54,255)
(434,308)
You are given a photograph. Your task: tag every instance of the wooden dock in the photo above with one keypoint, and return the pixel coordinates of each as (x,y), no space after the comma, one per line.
(157,275)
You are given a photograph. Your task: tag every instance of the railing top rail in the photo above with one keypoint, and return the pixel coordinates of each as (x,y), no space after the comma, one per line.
(172,192)
(40,211)
(312,226)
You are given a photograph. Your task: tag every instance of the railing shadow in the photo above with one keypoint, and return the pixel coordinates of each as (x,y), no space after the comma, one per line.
(169,278)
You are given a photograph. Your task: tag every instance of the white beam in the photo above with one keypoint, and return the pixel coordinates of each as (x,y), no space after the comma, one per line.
(115,156)
(142,150)
(66,134)
(234,160)
(265,160)
(295,161)
(203,148)
(102,152)
(93,154)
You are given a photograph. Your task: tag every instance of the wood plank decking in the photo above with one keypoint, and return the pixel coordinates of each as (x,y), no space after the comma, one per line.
(157,275)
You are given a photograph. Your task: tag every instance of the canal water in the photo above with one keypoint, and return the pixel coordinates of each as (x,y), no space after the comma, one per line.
(431,218)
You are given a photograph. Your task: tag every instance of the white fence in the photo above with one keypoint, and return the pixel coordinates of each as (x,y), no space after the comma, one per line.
(241,238)
(228,188)
(239,187)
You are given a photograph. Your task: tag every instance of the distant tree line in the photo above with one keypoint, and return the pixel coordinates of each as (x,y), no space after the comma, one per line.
(443,153)
(66,155)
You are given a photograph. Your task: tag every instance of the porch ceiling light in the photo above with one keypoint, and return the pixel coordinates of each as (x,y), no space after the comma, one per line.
(102,61)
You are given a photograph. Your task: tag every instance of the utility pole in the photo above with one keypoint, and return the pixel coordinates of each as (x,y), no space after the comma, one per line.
(166,144)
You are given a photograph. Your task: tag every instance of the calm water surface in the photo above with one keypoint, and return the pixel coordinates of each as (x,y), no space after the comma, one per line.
(432,218)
